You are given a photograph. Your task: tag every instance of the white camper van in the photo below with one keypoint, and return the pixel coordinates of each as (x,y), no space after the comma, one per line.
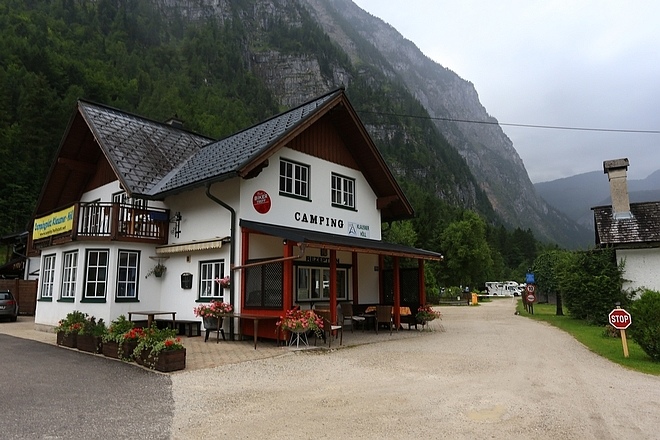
(503,288)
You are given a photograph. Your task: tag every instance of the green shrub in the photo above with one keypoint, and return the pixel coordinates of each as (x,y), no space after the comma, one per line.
(452,292)
(645,327)
(93,327)
(590,284)
(72,323)
(117,329)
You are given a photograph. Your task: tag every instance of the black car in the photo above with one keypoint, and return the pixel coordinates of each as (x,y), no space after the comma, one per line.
(8,305)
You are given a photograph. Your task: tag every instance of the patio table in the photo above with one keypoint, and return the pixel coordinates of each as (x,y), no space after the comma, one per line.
(255,324)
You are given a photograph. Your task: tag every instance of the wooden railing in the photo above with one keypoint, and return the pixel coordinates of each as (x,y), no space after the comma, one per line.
(113,221)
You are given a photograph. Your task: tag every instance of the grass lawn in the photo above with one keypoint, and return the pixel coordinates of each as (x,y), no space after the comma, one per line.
(594,339)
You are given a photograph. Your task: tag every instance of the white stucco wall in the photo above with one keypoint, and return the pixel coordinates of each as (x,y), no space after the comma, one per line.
(288,211)
(204,219)
(641,268)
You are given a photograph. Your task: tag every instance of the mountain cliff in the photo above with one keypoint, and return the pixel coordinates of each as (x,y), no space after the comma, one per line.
(374,52)
(447,98)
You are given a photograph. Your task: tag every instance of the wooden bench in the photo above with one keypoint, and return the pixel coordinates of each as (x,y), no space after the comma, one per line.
(184,327)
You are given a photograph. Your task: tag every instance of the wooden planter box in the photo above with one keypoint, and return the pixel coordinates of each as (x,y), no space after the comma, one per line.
(89,343)
(111,349)
(167,360)
(69,340)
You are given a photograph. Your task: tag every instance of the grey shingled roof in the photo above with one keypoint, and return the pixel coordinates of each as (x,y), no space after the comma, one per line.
(222,159)
(642,229)
(143,152)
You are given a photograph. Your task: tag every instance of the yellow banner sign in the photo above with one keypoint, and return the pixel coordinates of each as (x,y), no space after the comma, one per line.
(53,224)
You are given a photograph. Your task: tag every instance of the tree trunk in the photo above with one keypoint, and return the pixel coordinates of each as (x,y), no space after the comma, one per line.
(560,309)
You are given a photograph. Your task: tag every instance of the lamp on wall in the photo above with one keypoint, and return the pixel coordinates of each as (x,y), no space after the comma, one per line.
(176,230)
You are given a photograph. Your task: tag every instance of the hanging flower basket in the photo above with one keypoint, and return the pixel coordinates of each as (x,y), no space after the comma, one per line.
(225,282)
(157,271)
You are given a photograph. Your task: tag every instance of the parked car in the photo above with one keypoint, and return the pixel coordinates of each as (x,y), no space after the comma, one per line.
(8,305)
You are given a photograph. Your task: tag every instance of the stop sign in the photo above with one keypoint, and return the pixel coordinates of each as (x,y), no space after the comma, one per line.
(620,319)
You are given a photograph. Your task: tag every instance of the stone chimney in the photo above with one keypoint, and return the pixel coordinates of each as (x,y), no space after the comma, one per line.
(616,172)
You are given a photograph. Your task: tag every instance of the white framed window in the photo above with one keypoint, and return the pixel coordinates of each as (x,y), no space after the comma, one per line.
(69,274)
(343,191)
(96,274)
(209,271)
(294,179)
(313,283)
(127,275)
(47,276)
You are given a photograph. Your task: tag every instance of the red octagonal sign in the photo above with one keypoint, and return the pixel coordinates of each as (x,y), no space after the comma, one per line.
(620,319)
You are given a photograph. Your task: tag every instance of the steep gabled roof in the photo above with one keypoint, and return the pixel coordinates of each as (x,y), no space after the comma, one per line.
(154,160)
(247,150)
(106,144)
(643,229)
(230,156)
(142,152)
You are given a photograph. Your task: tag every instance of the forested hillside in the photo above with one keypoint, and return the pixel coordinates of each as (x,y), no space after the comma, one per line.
(218,73)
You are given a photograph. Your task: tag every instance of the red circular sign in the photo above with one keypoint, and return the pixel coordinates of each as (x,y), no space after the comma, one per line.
(530,288)
(261,202)
(620,319)
(531,298)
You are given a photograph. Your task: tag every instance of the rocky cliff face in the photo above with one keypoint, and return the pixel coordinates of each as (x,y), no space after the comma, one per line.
(487,150)
(369,43)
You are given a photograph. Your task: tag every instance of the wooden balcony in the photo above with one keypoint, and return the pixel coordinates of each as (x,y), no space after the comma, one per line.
(112,222)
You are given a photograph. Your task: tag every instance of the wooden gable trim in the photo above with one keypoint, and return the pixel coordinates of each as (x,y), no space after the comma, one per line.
(322,140)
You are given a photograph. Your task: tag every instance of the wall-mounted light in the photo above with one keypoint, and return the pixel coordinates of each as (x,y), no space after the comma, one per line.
(176,230)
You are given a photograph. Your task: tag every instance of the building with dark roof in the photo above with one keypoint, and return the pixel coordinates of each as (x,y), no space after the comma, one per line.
(632,229)
(289,209)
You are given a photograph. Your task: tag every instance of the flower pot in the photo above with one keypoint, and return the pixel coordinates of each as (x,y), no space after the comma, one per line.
(89,343)
(67,340)
(210,323)
(165,361)
(110,349)
(140,358)
(126,352)
(171,360)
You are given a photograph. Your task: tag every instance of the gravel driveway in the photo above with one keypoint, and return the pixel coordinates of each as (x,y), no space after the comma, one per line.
(490,374)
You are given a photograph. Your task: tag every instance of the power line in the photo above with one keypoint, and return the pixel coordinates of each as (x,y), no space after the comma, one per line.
(551,127)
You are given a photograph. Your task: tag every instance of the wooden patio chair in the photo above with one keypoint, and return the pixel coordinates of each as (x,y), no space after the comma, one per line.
(384,316)
(329,327)
(347,313)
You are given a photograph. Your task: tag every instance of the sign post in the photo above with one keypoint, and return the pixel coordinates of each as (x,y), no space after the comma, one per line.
(530,297)
(621,320)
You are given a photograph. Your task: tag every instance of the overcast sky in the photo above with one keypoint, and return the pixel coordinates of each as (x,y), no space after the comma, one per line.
(585,64)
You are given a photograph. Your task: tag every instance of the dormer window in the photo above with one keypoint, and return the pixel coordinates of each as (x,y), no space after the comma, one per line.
(343,191)
(294,179)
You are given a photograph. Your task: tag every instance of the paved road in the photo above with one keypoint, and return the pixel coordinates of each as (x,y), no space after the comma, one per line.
(49,392)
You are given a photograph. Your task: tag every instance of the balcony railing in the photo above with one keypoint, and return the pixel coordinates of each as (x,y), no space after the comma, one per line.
(113,221)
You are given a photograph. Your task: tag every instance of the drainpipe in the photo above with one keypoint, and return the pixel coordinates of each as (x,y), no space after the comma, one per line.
(232,250)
